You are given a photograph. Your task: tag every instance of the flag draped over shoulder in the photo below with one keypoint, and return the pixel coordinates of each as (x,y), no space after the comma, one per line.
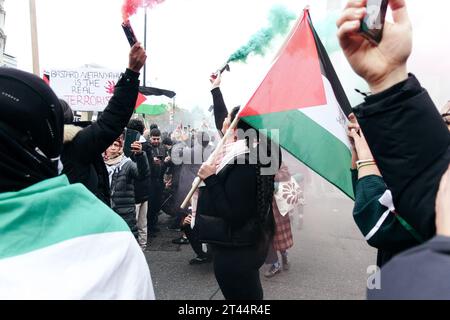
(302,97)
(58,241)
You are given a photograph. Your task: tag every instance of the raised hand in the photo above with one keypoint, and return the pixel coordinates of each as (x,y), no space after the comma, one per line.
(137,58)
(216,80)
(384,65)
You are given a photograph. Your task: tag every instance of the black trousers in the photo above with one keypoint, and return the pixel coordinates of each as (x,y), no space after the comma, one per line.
(154,205)
(237,271)
(194,242)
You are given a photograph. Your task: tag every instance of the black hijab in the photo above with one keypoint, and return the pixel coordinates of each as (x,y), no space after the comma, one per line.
(31,130)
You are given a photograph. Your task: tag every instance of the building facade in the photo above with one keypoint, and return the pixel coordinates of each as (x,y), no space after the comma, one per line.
(5,59)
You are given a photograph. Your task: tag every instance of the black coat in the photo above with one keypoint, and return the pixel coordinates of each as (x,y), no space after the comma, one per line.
(81,155)
(122,189)
(231,195)
(157,171)
(411,145)
(142,185)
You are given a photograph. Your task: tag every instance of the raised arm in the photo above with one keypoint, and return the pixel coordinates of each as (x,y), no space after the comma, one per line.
(97,137)
(220,109)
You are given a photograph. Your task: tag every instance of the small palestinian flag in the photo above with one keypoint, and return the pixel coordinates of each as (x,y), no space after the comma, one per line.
(147,107)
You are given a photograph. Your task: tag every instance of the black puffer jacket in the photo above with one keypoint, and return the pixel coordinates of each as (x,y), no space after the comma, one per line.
(83,147)
(122,189)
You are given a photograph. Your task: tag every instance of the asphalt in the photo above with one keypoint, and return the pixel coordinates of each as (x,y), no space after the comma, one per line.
(329,259)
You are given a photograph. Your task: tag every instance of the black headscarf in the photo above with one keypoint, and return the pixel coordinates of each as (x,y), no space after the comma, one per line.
(31,130)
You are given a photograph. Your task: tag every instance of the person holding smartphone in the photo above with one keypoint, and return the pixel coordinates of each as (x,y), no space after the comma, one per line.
(122,174)
(404,130)
(159,162)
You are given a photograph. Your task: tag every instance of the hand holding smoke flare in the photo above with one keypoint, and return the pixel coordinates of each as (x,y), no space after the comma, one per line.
(129,8)
(226,67)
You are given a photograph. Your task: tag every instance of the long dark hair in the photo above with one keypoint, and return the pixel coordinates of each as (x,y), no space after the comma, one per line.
(265,183)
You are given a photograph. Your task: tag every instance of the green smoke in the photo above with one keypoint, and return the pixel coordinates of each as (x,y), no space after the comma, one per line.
(327,30)
(280,19)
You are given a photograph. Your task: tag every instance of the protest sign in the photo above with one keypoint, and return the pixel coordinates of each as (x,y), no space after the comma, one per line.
(85,89)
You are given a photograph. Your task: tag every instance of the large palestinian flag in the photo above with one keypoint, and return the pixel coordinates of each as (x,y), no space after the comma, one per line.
(58,241)
(302,97)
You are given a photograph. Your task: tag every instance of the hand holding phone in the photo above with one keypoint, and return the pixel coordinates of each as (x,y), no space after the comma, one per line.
(131,137)
(383,64)
(136,147)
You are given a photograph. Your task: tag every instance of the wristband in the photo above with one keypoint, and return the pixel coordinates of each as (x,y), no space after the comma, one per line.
(365,161)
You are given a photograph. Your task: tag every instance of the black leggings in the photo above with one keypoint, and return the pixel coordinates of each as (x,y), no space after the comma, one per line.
(237,272)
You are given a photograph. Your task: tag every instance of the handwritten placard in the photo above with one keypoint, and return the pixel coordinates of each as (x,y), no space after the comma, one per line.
(84,89)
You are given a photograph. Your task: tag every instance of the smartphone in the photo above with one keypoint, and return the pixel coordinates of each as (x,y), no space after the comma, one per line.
(372,24)
(130,137)
(129,33)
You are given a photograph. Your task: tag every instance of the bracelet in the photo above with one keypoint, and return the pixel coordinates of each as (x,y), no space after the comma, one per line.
(366,165)
(365,161)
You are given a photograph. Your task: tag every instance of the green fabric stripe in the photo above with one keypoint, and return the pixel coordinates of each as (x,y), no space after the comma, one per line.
(152,110)
(50,212)
(409,228)
(310,143)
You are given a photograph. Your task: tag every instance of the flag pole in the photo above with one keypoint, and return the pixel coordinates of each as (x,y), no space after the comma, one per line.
(211,160)
(145,46)
(34,38)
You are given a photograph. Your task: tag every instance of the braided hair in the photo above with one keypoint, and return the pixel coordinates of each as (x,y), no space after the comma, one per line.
(265,184)
(265,187)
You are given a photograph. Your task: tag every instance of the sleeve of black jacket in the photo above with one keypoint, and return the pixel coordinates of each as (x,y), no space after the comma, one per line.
(140,169)
(368,210)
(97,137)
(220,109)
(410,144)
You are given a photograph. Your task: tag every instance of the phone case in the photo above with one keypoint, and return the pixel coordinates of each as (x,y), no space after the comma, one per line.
(130,137)
(373,23)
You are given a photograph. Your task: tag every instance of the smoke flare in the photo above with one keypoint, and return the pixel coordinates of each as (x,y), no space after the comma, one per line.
(280,19)
(130,7)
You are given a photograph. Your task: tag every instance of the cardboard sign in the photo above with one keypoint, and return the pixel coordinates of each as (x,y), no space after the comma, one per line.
(84,89)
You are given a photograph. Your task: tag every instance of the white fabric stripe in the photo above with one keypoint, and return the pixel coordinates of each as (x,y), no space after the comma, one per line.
(102,266)
(330,116)
(387,201)
(378,225)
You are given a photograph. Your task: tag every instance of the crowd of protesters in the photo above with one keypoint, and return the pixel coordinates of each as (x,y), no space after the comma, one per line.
(400,166)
